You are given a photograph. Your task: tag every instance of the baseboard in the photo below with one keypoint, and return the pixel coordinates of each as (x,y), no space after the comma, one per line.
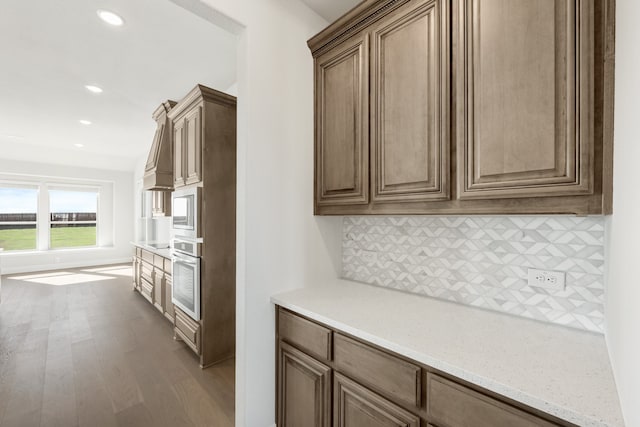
(63,265)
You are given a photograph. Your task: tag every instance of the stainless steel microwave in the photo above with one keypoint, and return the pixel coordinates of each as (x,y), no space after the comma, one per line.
(186,205)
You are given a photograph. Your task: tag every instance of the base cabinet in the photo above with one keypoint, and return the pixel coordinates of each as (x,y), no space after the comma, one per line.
(339,381)
(152,278)
(187,329)
(304,391)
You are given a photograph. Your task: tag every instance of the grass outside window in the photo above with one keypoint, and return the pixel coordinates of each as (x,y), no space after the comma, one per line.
(67,237)
(19,239)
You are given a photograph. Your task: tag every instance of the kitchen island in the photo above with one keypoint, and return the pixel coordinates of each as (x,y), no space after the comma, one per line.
(548,369)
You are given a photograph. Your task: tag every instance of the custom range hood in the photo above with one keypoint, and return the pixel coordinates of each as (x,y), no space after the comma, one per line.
(158,172)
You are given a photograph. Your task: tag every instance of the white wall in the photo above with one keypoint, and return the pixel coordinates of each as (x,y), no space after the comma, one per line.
(623,287)
(116,211)
(281,245)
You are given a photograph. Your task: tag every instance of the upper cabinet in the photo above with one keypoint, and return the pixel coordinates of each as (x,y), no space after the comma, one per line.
(525,120)
(158,171)
(188,129)
(178,154)
(464,107)
(410,104)
(342,131)
(193,146)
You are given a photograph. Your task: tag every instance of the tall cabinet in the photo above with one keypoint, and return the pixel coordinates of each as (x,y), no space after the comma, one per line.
(204,147)
(464,106)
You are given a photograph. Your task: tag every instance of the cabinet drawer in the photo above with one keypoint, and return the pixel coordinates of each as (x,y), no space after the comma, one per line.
(382,372)
(452,404)
(158,261)
(304,334)
(146,289)
(147,256)
(188,329)
(146,271)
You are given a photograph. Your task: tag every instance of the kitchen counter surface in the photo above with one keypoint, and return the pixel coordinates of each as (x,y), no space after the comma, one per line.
(560,371)
(164,252)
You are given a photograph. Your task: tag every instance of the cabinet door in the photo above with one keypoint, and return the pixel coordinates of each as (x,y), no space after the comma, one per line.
(525,98)
(410,104)
(168,303)
(136,272)
(178,154)
(304,390)
(158,289)
(356,406)
(193,143)
(342,133)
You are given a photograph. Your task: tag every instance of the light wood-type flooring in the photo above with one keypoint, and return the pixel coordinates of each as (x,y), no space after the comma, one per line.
(79,348)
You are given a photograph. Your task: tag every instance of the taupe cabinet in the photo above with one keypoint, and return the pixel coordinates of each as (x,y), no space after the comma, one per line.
(204,124)
(152,278)
(464,106)
(326,378)
(187,146)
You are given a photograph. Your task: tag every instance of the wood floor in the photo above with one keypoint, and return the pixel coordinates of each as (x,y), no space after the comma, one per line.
(80,348)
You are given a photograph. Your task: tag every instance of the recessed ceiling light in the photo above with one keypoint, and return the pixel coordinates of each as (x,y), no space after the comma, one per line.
(79,145)
(84,122)
(110,18)
(94,89)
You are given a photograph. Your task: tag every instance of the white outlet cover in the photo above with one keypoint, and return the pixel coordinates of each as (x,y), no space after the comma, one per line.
(547,279)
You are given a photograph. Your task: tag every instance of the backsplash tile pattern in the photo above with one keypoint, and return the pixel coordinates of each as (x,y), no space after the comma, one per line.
(482,261)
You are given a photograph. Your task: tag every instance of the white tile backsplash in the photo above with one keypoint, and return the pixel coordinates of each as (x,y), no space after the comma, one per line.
(482,261)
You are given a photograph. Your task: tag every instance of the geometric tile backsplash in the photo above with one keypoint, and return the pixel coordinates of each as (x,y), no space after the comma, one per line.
(482,261)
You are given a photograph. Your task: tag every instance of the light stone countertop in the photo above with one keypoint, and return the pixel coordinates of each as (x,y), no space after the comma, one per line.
(561,371)
(164,252)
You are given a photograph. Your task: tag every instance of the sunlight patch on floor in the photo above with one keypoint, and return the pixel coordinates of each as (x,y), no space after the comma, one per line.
(61,278)
(117,270)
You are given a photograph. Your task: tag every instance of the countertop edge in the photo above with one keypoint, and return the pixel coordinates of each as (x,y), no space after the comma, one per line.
(563,413)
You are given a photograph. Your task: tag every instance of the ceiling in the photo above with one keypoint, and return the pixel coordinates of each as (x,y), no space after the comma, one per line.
(331,9)
(52,49)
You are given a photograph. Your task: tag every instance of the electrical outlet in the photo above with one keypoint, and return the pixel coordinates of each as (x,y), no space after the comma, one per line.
(546,279)
(370,256)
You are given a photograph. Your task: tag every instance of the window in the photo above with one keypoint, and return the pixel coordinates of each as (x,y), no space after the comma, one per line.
(18,218)
(73,218)
(38,214)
